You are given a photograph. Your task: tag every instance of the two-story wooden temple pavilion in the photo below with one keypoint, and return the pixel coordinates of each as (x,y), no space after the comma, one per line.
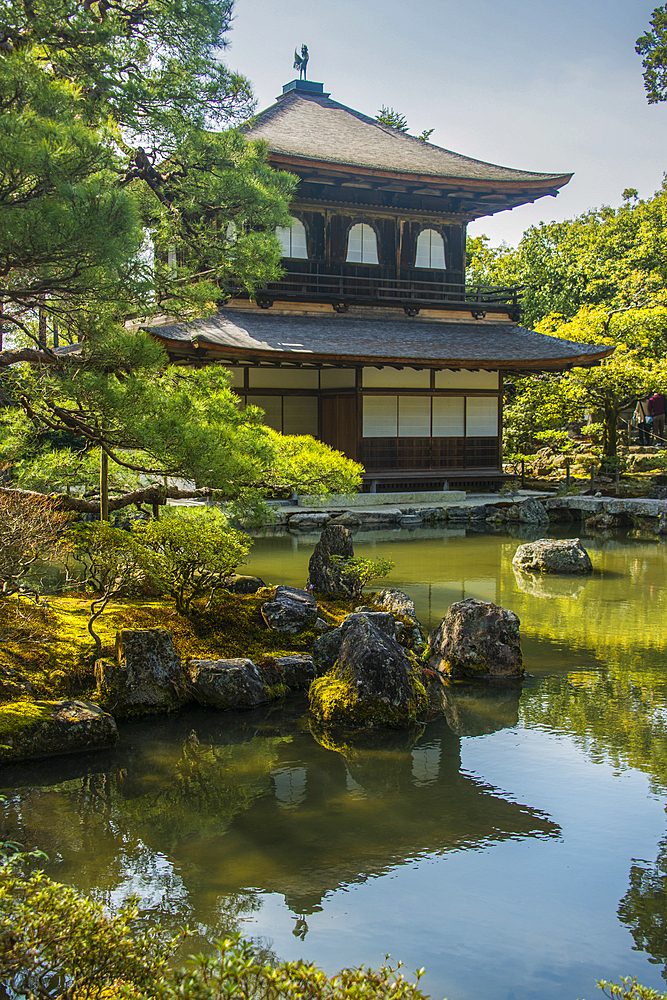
(372,341)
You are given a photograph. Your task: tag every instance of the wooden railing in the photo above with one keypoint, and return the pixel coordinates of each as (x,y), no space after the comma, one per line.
(345,286)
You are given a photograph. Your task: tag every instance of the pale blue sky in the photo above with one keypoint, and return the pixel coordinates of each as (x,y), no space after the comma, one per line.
(535,85)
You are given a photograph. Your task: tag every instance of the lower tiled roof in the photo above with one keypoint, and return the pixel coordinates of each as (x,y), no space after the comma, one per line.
(355,339)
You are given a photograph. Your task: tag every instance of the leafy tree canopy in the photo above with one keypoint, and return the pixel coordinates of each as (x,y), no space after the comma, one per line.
(606,257)
(652,46)
(105,146)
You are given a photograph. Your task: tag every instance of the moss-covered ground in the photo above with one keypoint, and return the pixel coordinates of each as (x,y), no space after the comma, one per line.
(47,645)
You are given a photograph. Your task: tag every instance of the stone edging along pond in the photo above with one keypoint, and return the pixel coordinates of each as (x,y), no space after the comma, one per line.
(608,512)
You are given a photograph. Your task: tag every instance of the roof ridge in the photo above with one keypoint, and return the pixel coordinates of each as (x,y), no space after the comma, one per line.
(285,102)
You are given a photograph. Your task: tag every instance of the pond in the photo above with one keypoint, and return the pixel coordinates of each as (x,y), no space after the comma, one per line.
(516,847)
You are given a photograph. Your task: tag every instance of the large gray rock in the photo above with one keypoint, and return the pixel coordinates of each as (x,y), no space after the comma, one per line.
(291,610)
(325,650)
(244,584)
(50,728)
(531,511)
(297,671)
(374,682)
(327,647)
(477,639)
(395,601)
(234,683)
(459,514)
(548,555)
(146,675)
(382,620)
(344,520)
(324,576)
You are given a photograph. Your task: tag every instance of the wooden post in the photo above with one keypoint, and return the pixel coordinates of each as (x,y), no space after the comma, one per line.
(618,481)
(104,485)
(592,479)
(567,472)
(523,473)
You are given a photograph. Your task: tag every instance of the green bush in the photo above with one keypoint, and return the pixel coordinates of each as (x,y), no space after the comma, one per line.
(56,944)
(356,571)
(193,551)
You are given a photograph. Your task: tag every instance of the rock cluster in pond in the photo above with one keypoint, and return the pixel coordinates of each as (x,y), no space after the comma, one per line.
(291,610)
(477,639)
(548,555)
(51,728)
(324,576)
(146,674)
(373,682)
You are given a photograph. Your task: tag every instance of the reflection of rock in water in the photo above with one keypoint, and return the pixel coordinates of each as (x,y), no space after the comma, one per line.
(371,756)
(477,709)
(203,809)
(549,585)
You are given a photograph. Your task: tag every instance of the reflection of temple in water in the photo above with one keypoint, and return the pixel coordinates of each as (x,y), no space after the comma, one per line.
(227,804)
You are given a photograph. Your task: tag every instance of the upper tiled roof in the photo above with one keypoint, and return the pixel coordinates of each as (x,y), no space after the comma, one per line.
(351,339)
(314,127)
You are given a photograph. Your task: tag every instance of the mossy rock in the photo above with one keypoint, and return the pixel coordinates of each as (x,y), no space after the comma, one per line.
(33,729)
(374,682)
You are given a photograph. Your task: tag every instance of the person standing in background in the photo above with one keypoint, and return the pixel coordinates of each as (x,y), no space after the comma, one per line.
(656,408)
(640,420)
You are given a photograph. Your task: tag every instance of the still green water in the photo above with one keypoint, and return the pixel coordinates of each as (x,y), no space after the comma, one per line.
(516,847)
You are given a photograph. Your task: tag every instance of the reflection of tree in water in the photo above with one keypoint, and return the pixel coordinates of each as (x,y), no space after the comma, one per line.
(644,907)
(201,814)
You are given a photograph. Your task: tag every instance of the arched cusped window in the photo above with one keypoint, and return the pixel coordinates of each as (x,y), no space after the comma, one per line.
(293,239)
(362,245)
(430,250)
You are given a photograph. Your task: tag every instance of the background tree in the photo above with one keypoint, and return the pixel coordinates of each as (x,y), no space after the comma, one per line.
(30,529)
(106,146)
(106,110)
(599,278)
(387,116)
(652,46)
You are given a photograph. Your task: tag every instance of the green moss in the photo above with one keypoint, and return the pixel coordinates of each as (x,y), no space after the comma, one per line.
(18,715)
(334,699)
(50,646)
(276,691)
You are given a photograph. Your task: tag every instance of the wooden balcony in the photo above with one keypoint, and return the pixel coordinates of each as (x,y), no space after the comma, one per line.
(357,284)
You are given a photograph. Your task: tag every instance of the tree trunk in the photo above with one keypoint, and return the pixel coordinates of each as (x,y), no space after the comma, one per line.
(610,430)
(41,329)
(104,485)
